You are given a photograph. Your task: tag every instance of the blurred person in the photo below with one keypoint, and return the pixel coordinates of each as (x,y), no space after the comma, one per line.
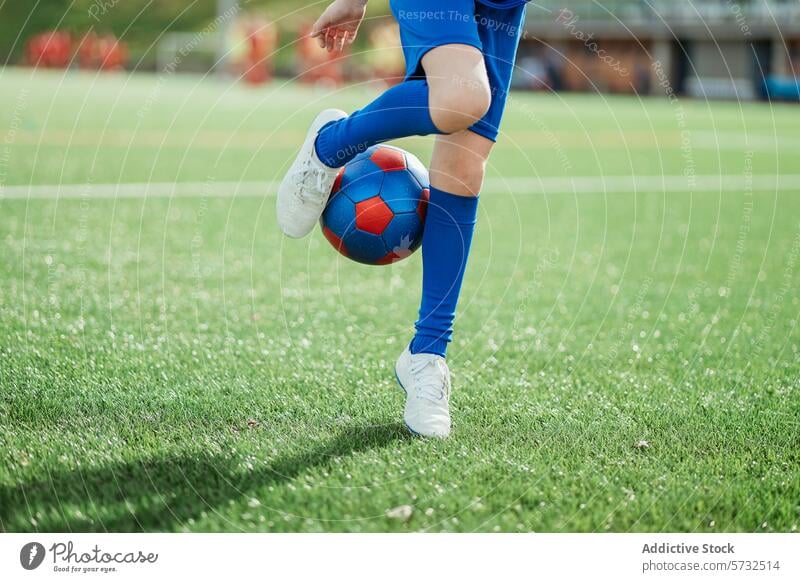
(49,49)
(253,42)
(459,61)
(105,52)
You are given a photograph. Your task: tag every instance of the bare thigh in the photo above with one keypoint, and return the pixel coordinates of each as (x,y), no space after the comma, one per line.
(458,85)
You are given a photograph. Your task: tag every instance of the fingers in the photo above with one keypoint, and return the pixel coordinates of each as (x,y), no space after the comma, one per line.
(320,26)
(341,38)
(329,37)
(326,39)
(320,36)
(334,39)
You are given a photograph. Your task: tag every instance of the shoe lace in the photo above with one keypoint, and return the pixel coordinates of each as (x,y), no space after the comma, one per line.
(431,378)
(313,180)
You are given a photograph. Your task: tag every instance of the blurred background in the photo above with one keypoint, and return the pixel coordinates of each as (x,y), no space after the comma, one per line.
(721,49)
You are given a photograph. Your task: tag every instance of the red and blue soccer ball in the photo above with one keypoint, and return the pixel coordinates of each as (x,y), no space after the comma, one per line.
(377,206)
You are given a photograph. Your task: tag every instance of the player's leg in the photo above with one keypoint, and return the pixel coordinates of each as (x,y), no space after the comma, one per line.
(453,95)
(446,90)
(456,172)
(457,169)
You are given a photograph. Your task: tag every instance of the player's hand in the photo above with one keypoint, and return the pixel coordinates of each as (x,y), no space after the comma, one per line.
(339,23)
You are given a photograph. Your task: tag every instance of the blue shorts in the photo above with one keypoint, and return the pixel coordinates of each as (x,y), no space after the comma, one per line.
(424,25)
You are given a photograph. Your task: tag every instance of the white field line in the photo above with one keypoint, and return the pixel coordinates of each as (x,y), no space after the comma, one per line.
(513,185)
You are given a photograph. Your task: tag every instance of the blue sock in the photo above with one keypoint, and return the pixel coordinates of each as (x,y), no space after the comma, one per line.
(446,241)
(399,112)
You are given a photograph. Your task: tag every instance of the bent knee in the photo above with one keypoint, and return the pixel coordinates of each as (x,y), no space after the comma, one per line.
(458,103)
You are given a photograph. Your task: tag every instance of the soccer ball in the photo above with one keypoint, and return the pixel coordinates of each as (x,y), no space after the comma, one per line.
(377,206)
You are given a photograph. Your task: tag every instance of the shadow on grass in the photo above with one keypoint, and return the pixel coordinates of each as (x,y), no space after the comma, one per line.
(160,494)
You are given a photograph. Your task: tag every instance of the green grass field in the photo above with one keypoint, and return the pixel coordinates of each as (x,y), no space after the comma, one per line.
(169,362)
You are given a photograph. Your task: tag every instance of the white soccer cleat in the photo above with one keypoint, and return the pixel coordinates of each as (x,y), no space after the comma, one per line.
(305,188)
(426,381)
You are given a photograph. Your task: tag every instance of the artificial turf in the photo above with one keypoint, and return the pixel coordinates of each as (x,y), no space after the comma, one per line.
(625,359)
